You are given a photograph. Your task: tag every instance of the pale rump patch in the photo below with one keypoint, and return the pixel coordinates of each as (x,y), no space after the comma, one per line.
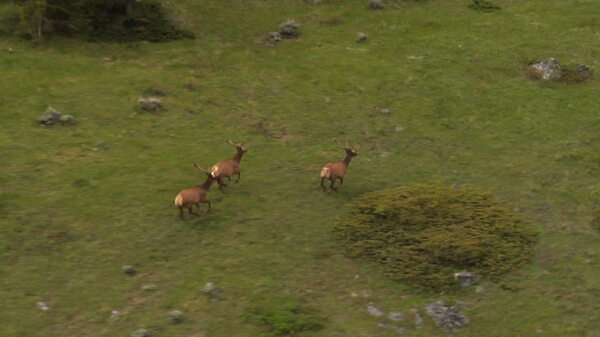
(214,171)
(178,200)
(325,172)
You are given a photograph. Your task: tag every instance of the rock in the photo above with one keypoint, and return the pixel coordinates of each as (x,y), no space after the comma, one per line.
(50,117)
(583,70)
(385,111)
(129,270)
(10,50)
(115,314)
(479,289)
(396,316)
(66,120)
(399,128)
(150,103)
(466,279)
(384,154)
(548,69)
(107,59)
(149,287)
(327,100)
(212,290)
(376,4)
(140,333)
(275,36)
(176,317)
(43,306)
(374,311)
(419,322)
(289,29)
(446,317)
(362,37)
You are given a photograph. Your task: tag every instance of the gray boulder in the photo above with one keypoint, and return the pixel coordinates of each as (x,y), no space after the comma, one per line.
(376,4)
(466,279)
(151,104)
(446,317)
(548,69)
(52,117)
(289,29)
(583,70)
(176,317)
(362,37)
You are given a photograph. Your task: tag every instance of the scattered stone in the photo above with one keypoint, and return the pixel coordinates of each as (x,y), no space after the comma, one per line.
(399,128)
(396,316)
(446,317)
(384,154)
(10,50)
(539,330)
(583,70)
(479,289)
(289,29)
(362,37)
(466,279)
(52,117)
(176,317)
(115,314)
(43,306)
(129,270)
(140,333)
(149,287)
(376,4)
(108,59)
(381,324)
(150,103)
(212,290)
(374,311)
(419,322)
(385,111)
(275,37)
(353,294)
(548,69)
(327,100)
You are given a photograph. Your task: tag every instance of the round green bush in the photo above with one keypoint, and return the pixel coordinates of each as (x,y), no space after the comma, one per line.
(423,234)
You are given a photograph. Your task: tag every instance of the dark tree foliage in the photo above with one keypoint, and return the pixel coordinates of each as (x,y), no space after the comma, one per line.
(115,20)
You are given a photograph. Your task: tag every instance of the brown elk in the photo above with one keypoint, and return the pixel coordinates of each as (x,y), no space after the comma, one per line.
(229,167)
(337,170)
(195,196)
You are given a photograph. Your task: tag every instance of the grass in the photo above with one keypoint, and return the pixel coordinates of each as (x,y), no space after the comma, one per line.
(77,203)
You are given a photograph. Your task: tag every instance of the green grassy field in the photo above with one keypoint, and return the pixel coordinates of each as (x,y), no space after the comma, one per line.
(77,203)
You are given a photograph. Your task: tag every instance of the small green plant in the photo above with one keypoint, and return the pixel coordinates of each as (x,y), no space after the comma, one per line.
(284,319)
(424,233)
(483,5)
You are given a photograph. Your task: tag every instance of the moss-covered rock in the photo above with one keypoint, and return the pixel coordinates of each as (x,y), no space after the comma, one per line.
(424,234)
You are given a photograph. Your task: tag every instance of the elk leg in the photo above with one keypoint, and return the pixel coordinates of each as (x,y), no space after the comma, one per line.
(323,186)
(181,212)
(238,178)
(341,181)
(333,183)
(207,202)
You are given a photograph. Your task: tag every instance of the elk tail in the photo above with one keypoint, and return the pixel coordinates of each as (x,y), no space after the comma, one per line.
(214,171)
(325,172)
(178,200)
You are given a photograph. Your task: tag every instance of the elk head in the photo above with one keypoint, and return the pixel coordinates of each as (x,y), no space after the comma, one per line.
(350,151)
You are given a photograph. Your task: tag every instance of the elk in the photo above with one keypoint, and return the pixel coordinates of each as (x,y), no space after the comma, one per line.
(229,167)
(337,170)
(195,196)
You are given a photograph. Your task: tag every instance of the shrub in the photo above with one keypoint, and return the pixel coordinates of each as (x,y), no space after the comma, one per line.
(423,234)
(117,20)
(9,18)
(283,319)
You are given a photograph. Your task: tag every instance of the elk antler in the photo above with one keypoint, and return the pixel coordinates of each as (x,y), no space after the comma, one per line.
(340,145)
(232,143)
(356,147)
(201,169)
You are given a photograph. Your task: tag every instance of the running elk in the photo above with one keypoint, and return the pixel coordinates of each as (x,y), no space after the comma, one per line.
(229,167)
(337,170)
(195,196)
